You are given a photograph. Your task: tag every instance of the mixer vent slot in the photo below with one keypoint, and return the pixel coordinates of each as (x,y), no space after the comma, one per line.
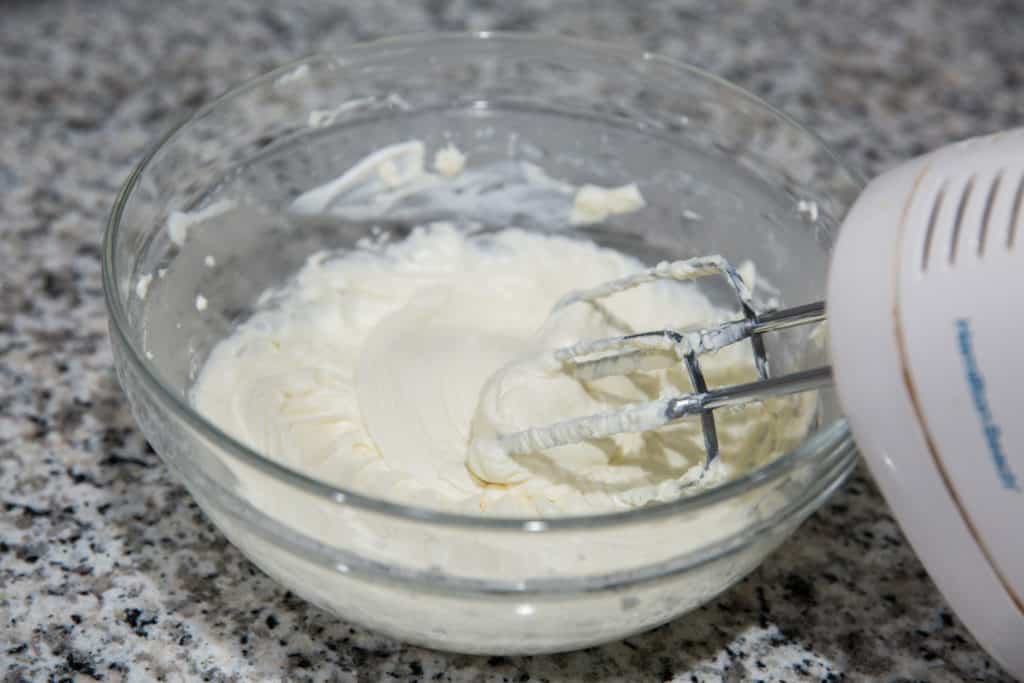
(993,192)
(1015,214)
(954,239)
(933,219)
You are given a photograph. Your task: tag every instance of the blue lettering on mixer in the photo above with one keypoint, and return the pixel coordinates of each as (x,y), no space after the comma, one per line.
(976,383)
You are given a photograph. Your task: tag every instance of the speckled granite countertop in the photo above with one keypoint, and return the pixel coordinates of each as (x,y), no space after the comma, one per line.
(108,570)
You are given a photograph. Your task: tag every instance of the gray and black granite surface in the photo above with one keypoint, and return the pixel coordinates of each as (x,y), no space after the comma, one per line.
(108,570)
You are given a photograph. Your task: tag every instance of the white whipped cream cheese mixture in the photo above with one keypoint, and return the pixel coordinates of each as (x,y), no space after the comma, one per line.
(367,369)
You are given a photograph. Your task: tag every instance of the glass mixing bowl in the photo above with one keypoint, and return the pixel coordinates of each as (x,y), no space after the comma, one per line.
(721,171)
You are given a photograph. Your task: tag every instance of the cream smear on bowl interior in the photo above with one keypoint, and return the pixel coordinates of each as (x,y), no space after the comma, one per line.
(365,369)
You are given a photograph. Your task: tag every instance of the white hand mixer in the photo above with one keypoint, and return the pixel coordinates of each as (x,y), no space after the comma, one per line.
(926,356)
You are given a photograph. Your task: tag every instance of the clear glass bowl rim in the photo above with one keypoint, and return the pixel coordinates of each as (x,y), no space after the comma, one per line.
(832,438)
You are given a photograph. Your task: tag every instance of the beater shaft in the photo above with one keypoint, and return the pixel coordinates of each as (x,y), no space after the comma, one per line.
(639,350)
(648,415)
(741,394)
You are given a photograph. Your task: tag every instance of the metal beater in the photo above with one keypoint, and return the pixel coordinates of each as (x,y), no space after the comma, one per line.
(593,359)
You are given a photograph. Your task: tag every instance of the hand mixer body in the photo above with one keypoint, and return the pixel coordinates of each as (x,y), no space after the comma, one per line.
(926,342)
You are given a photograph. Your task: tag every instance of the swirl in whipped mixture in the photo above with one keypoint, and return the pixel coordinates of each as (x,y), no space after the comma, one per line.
(367,371)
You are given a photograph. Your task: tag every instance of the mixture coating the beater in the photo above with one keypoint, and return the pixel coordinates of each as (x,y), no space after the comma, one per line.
(491,452)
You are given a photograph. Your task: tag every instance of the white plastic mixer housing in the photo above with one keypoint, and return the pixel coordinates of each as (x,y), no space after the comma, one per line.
(927,345)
